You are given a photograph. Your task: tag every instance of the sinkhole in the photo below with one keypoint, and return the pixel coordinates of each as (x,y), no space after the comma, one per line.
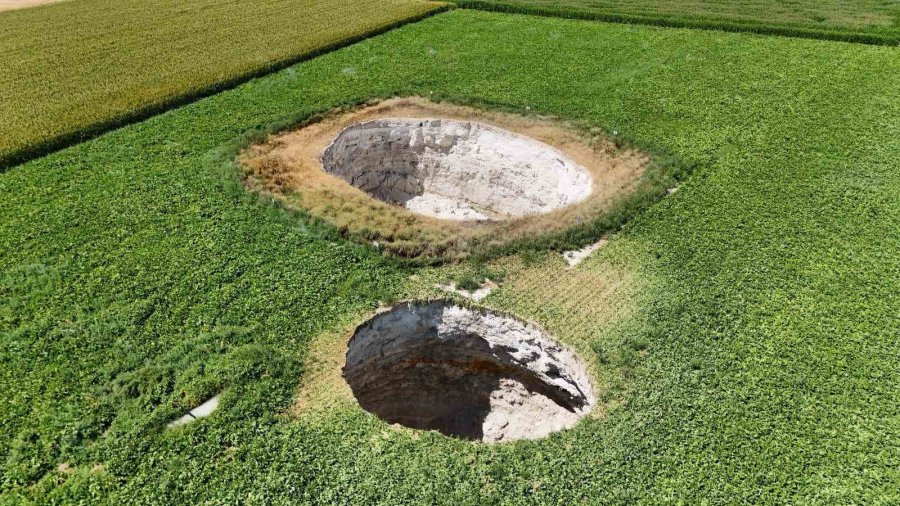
(466,372)
(454,169)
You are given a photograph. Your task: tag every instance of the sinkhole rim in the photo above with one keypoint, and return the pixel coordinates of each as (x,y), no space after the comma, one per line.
(466,371)
(287,166)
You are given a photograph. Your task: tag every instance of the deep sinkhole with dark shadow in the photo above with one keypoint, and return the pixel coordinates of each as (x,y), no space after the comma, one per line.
(466,372)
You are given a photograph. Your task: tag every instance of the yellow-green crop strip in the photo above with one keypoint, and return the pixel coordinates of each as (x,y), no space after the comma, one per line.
(750,319)
(864,21)
(73,69)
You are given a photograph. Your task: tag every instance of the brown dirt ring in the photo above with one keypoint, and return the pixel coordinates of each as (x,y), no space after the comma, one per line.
(438,180)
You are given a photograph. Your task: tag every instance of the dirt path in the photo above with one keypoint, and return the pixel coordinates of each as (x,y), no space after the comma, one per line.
(8,5)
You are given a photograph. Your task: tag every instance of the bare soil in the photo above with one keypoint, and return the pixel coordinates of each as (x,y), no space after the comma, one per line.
(289,166)
(9,5)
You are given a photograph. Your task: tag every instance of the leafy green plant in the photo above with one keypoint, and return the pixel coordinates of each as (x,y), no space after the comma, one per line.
(137,276)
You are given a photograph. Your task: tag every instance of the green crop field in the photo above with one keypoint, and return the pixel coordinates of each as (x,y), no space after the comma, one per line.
(82,66)
(743,329)
(870,21)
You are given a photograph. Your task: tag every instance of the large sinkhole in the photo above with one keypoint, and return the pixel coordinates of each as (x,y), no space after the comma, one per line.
(458,170)
(465,372)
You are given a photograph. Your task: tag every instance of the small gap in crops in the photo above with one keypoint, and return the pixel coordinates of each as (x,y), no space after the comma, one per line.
(203,410)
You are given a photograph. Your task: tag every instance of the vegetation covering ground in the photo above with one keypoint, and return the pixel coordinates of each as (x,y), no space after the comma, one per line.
(747,324)
(75,68)
(871,21)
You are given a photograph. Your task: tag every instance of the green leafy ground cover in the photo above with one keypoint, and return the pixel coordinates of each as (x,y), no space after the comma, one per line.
(759,363)
(867,21)
(76,68)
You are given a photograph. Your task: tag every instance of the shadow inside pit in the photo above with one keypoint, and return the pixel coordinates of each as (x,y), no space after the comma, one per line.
(447,388)
(391,186)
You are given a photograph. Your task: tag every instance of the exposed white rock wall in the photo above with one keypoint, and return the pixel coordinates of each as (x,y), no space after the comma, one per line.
(466,372)
(459,170)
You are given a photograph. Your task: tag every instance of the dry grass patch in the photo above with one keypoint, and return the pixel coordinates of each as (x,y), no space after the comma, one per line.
(289,166)
(323,389)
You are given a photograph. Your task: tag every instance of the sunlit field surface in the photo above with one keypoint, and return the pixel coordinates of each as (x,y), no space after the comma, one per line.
(742,330)
(866,21)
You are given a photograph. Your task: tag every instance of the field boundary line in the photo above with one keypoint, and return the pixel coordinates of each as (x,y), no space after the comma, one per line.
(680,22)
(46,147)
